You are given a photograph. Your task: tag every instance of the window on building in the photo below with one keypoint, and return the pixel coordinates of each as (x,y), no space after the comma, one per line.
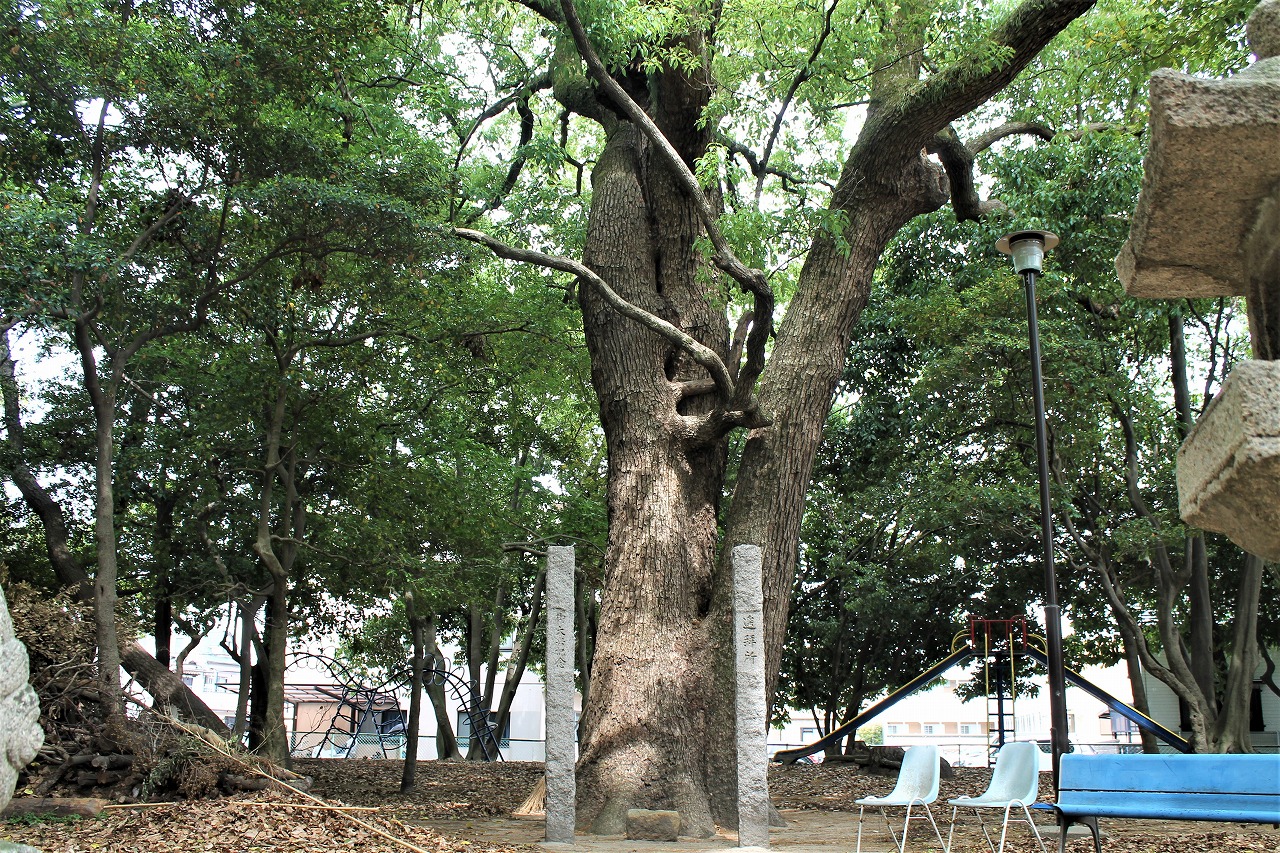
(464,731)
(969,729)
(929,729)
(893,729)
(391,722)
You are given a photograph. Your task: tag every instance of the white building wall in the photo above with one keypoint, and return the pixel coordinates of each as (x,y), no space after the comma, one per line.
(214,677)
(961,728)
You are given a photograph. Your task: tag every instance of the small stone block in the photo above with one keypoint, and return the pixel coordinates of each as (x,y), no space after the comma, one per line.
(1229,466)
(652,825)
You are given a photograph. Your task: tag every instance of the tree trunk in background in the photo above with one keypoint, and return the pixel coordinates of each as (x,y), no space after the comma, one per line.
(1231,729)
(417,631)
(1133,665)
(1200,627)
(446,740)
(476,655)
(102,398)
(275,738)
(520,654)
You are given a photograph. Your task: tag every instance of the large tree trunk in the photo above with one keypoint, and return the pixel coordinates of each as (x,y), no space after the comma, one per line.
(657,729)
(646,727)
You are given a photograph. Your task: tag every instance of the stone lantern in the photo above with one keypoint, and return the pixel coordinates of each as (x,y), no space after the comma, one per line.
(1208,224)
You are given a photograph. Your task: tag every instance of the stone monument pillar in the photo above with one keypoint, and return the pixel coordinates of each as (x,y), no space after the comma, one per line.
(562,729)
(20,734)
(752,720)
(1208,224)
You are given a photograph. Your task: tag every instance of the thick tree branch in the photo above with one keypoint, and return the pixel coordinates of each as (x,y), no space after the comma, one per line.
(957,161)
(923,110)
(546,9)
(983,141)
(701,354)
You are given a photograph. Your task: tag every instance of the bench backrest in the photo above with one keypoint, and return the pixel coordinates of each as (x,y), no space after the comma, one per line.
(1248,785)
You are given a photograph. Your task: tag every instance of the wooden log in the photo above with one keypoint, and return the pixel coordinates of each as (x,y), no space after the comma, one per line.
(87,779)
(245,783)
(111,762)
(58,806)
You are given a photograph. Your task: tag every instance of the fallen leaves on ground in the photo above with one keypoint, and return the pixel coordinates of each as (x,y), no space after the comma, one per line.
(230,824)
(446,789)
(476,791)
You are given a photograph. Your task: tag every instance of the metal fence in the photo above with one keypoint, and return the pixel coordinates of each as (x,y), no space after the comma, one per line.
(326,744)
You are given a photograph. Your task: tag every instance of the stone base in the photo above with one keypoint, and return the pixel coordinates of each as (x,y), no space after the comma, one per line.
(11,847)
(651,825)
(1229,466)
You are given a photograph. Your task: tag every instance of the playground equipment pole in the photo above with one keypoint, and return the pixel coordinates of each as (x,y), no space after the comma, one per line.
(1027,249)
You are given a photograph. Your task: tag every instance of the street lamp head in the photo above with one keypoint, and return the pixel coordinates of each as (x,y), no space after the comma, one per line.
(1027,249)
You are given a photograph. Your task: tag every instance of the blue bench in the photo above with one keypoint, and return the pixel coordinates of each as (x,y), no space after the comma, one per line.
(1229,788)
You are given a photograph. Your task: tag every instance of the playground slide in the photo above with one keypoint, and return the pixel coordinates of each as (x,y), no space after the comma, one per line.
(1116,706)
(790,756)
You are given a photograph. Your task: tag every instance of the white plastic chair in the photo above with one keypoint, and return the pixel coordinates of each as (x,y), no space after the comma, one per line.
(917,787)
(1015,784)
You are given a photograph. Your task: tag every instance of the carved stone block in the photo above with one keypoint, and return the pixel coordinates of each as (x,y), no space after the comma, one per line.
(20,733)
(1229,466)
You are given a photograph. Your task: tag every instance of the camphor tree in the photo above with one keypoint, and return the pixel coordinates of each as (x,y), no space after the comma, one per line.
(682,93)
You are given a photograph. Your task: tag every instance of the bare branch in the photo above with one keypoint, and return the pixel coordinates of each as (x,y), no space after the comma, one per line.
(805,72)
(700,353)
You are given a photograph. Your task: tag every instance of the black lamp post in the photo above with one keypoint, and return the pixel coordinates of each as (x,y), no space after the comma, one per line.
(1027,249)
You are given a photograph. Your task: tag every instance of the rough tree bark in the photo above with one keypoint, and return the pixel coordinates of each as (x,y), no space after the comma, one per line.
(656,729)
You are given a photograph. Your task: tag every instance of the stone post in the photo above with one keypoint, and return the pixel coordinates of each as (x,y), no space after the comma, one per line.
(752,721)
(20,734)
(562,738)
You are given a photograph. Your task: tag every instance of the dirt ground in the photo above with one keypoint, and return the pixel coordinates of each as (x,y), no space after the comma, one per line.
(466,808)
